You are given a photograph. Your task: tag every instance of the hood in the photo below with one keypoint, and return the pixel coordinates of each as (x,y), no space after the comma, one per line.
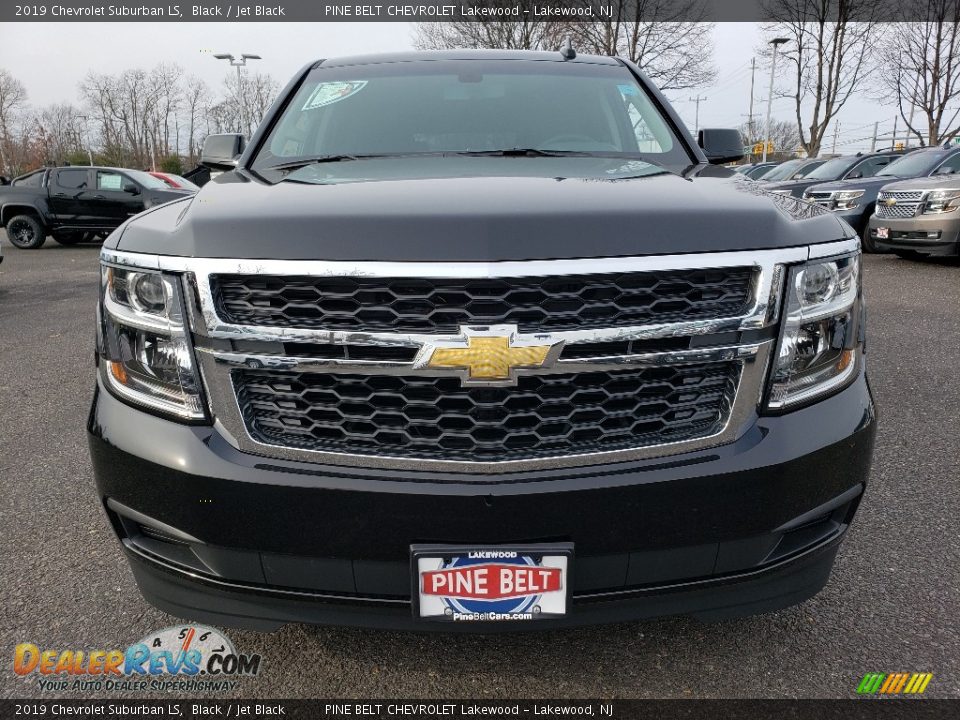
(870,183)
(478,219)
(937,182)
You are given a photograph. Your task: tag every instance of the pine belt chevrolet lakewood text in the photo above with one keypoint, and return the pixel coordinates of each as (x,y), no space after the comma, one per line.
(479,340)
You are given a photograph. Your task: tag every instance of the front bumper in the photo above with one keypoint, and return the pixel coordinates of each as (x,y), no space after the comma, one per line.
(217,535)
(915,234)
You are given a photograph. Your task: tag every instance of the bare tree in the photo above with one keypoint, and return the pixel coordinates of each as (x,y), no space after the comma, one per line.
(13,100)
(668,39)
(195,102)
(828,55)
(247,99)
(785,136)
(59,131)
(921,69)
(526,33)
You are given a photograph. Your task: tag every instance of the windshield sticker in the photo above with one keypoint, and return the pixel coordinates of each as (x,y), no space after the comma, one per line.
(628,90)
(331,92)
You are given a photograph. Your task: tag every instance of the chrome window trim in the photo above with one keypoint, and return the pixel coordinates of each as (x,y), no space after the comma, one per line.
(216,363)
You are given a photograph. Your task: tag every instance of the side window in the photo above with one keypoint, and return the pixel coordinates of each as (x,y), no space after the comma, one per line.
(110,180)
(72,179)
(949,166)
(31,180)
(870,166)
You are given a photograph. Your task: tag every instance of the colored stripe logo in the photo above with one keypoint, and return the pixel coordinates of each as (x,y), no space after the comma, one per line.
(894,683)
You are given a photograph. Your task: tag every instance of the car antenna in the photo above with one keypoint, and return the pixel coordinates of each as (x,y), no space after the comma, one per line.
(566,51)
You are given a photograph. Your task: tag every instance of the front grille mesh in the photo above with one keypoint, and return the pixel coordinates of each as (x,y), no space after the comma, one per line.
(438,418)
(443,305)
(906,207)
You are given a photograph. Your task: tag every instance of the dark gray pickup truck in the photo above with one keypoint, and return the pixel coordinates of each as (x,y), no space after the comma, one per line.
(477,340)
(75,203)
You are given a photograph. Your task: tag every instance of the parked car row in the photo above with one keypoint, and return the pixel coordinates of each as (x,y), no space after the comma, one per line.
(75,204)
(897,201)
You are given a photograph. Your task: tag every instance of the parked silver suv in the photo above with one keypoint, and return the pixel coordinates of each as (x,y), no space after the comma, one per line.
(918,216)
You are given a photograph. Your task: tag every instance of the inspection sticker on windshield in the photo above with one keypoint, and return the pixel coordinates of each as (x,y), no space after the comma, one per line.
(330,92)
(494,583)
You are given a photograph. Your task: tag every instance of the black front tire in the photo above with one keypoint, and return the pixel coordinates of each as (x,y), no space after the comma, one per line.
(868,244)
(26,232)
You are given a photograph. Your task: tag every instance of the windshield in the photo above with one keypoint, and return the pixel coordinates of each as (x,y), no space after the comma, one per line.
(784,170)
(913,165)
(441,108)
(831,169)
(759,172)
(147,180)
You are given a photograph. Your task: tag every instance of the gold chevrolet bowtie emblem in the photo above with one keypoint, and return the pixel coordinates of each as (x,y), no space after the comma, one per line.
(489,358)
(890,202)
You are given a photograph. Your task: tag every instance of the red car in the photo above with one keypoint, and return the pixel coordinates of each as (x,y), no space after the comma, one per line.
(175,181)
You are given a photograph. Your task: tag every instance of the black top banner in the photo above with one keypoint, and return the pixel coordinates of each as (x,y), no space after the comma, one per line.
(526,11)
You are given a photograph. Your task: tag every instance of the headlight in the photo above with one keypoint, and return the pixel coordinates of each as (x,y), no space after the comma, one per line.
(847,199)
(941,201)
(144,346)
(817,352)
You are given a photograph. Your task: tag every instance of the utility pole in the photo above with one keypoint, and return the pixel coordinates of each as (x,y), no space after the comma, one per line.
(696,121)
(776,42)
(893,143)
(836,131)
(753,72)
(873,143)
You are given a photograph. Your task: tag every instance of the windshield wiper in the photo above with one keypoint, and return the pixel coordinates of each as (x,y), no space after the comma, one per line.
(522,152)
(506,152)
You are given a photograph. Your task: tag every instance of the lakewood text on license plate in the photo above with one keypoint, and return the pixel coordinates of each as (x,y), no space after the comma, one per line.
(454,583)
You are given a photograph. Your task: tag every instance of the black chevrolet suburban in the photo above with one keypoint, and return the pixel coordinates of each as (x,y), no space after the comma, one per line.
(479,340)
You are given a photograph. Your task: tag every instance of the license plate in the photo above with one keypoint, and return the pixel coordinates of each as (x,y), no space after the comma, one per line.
(883,233)
(493,583)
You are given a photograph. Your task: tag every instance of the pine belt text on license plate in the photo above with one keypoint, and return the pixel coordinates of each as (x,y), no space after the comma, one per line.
(456,584)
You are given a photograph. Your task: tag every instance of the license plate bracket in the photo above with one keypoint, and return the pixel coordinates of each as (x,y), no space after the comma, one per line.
(490,583)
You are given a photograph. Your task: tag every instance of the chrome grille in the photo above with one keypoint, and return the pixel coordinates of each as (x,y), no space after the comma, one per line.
(908,202)
(632,375)
(820,198)
(438,418)
(901,194)
(444,304)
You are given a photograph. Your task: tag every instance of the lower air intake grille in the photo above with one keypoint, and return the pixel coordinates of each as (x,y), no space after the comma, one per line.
(437,418)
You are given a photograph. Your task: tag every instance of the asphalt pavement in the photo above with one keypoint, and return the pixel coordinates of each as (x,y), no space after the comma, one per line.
(892,602)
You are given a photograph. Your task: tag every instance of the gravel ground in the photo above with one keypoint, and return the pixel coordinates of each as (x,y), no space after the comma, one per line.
(891,605)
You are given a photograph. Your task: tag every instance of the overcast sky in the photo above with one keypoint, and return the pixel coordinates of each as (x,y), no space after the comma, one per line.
(52,58)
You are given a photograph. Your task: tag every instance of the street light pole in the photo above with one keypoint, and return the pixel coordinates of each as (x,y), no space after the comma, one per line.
(776,42)
(238,62)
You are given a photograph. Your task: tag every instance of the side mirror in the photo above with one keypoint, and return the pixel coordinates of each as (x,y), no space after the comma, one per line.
(943,170)
(855,175)
(131,188)
(720,145)
(221,152)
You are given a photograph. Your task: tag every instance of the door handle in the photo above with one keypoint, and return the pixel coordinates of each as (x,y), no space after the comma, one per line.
(99,197)
(60,195)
